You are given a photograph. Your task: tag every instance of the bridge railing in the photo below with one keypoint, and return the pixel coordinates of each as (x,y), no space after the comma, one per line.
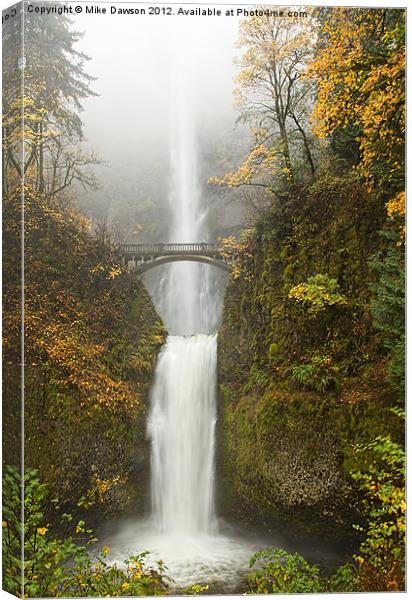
(165,249)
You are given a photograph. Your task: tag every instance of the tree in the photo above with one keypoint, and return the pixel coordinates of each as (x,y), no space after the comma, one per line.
(44,145)
(360,72)
(275,98)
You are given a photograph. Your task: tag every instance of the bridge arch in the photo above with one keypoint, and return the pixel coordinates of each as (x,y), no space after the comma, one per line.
(163,260)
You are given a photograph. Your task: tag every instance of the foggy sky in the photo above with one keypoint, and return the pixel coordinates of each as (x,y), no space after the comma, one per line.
(134,58)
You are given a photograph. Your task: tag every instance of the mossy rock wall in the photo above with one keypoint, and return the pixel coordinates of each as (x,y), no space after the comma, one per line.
(298,390)
(91,340)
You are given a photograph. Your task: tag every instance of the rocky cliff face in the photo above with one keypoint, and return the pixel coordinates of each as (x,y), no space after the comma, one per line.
(302,376)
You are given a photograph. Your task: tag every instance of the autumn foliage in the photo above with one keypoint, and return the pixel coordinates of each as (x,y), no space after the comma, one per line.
(91,337)
(360,71)
(312,343)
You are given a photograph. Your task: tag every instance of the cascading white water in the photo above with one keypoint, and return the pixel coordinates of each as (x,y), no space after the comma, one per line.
(183,414)
(181,427)
(188,301)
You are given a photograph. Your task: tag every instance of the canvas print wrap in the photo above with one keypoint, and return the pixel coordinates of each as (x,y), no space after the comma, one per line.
(203,299)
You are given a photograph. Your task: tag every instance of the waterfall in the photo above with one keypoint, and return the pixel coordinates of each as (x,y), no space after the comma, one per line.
(181,427)
(187,299)
(183,399)
(182,529)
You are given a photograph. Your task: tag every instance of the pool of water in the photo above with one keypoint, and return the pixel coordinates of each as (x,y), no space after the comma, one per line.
(220,560)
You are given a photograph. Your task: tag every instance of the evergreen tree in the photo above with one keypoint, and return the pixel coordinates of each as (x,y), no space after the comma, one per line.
(45,82)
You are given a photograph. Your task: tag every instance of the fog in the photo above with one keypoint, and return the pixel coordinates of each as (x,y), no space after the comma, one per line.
(135,59)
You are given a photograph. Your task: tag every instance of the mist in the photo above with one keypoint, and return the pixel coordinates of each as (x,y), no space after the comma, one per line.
(128,125)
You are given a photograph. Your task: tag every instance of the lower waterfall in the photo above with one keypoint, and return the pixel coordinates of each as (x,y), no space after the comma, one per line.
(181,428)
(183,529)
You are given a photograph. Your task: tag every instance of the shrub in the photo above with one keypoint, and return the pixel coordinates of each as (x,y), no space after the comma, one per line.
(317,293)
(281,572)
(56,567)
(319,374)
(381,556)
(345,579)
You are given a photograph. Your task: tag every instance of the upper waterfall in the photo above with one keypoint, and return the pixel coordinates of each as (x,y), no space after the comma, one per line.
(188,298)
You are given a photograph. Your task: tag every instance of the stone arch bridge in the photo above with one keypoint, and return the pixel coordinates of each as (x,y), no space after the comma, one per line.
(144,257)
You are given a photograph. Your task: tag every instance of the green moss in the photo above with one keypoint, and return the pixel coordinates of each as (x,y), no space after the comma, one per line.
(300,389)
